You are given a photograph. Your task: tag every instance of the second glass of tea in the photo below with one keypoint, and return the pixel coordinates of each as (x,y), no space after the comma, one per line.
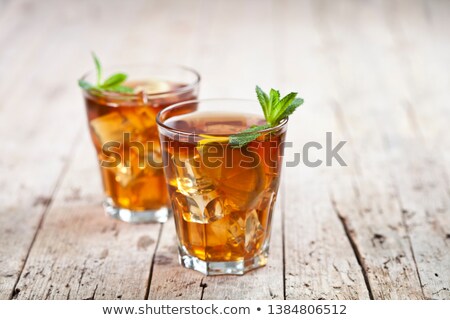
(123,131)
(222,195)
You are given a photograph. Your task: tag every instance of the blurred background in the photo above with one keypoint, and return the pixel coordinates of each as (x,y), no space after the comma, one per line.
(375,73)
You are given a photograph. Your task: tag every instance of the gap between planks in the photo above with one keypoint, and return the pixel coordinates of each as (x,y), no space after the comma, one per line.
(150,276)
(48,204)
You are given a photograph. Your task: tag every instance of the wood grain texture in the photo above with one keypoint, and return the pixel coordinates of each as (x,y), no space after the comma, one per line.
(40,122)
(316,243)
(423,175)
(79,252)
(24,200)
(320,263)
(374,73)
(422,144)
(365,197)
(319,260)
(367,202)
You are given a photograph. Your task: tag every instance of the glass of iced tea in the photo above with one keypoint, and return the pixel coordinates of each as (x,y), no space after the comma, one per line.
(222,195)
(124,133)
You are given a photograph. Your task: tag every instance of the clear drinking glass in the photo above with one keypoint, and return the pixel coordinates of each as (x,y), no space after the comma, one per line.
(222,196)
(124,133)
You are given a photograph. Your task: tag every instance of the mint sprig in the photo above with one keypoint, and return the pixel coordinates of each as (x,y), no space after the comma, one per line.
(112,83)
(248,135)
(274,109)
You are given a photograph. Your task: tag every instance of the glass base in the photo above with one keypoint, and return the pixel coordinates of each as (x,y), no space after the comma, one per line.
(146,216)
(213,268)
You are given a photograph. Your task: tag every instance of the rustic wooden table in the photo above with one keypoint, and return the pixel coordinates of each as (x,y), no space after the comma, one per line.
(374,73)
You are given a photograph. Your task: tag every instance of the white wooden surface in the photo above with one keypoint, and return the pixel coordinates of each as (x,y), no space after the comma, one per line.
(374,73)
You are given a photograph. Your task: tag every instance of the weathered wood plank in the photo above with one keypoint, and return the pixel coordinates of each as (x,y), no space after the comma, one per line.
(320,263)
(364,194)
(80,253)
(41,127)
(389,136)
(319,256)
(26,155)
(422,194)
(425,203)
(319,260)
(423,149)
(366,200)
(25,27)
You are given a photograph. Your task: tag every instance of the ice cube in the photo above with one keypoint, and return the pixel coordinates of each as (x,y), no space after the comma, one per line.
(199,208)
(236,229)
(141,119)
(190,180)
(137,122)
(130,170)
(229,231)
(206,207)
(123,175)
(111,127)
(202,200)
(254,231)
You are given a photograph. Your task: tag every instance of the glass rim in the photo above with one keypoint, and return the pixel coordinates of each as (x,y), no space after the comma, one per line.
(186,88)
(279,126)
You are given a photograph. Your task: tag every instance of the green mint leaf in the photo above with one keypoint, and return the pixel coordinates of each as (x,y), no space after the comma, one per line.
(290,109)
(114,80)
(263,101)
(274,100)
(248,135)
(113,83)
(98,67)
(274,109)
(281,107)
(238,141)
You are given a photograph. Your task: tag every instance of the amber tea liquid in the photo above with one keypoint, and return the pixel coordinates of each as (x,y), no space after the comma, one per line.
(222,197)
(132,183)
